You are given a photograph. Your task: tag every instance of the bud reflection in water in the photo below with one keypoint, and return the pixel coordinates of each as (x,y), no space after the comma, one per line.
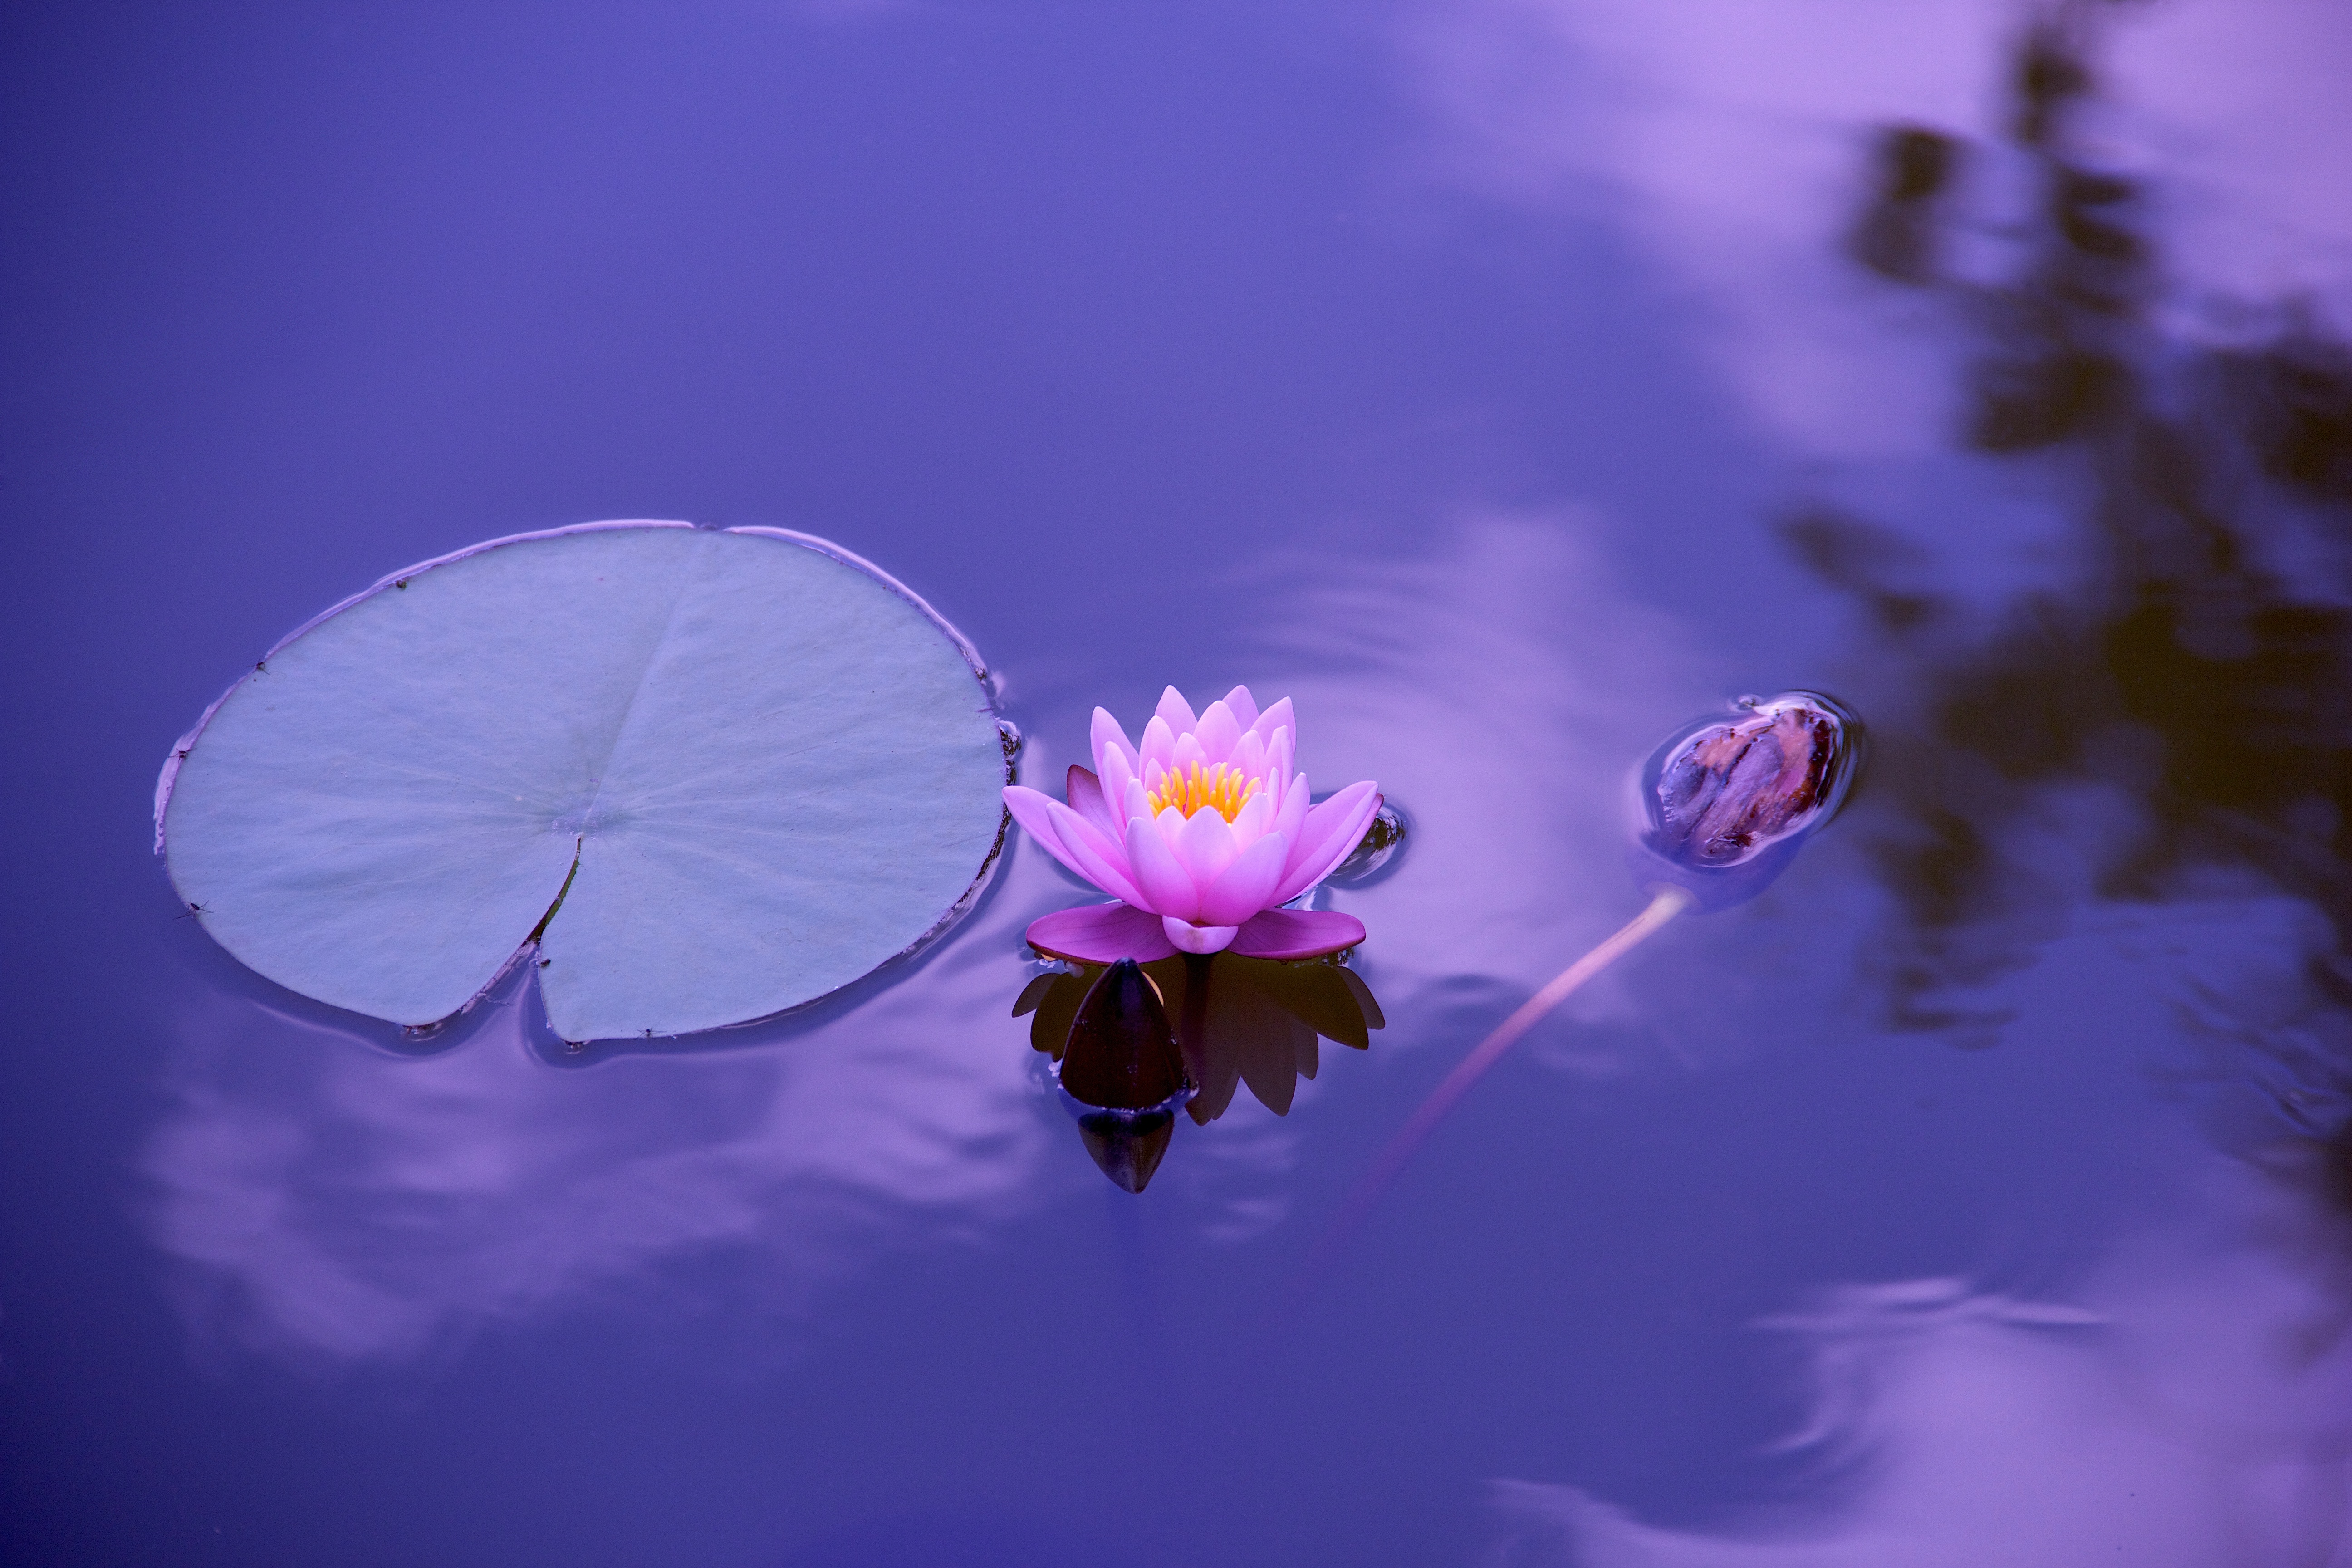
(1134,1043)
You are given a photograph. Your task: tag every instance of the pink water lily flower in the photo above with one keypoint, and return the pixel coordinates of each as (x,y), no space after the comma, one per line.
(1201,833)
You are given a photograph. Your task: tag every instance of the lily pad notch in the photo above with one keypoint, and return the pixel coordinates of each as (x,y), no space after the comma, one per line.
(705,775)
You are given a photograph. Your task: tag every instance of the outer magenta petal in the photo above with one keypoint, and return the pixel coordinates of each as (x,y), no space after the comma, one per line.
(1296,933)
(1190,937)
(1333,829)
(1278,717)
(1100,933)
(1159,876)
(1085,796)
(1243,888)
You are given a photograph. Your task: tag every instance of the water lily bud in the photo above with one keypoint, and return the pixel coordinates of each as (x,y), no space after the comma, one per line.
(1123,1075)
(1122,1053)
(1727,802)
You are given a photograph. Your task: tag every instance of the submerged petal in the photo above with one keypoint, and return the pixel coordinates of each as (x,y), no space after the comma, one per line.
(1100,933)
(1296,933)
(1190,937)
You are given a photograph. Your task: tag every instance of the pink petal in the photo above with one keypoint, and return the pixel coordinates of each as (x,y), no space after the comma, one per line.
(1251,821)
(1159,746)
(1241,890)
(1100,933)
(1116,776)
(1188,754)
(1110,734)
(1244,705)
(1190,937)
(1097,858)
(1296,933)
(1249,756)
(1333,829)
(1084,793)
(1291,813)
(1279,758)
(1278,717)
(1205,844)
(1176,711)
(1159,875)
(1217,732)
(1035,813)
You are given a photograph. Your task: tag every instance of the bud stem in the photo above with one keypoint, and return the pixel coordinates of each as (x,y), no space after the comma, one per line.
(1664,905)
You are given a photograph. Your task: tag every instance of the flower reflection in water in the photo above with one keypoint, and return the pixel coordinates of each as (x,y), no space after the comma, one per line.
(1134,1043)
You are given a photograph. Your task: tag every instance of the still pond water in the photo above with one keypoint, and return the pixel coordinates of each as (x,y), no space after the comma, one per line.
(1509,383)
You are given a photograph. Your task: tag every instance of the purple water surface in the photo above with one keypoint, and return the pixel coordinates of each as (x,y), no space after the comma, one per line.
(1509,383)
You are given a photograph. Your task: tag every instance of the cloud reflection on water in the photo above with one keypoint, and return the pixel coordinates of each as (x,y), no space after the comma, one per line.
(1724,139)
(2195,1410)
(329,1204)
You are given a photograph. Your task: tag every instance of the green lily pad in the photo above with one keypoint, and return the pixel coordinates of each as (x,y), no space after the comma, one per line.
(715,774)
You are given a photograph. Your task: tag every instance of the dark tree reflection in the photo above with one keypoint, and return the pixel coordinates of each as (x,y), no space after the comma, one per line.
(2200,666)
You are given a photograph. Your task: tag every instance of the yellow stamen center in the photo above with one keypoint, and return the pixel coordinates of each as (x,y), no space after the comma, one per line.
(1223,788)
